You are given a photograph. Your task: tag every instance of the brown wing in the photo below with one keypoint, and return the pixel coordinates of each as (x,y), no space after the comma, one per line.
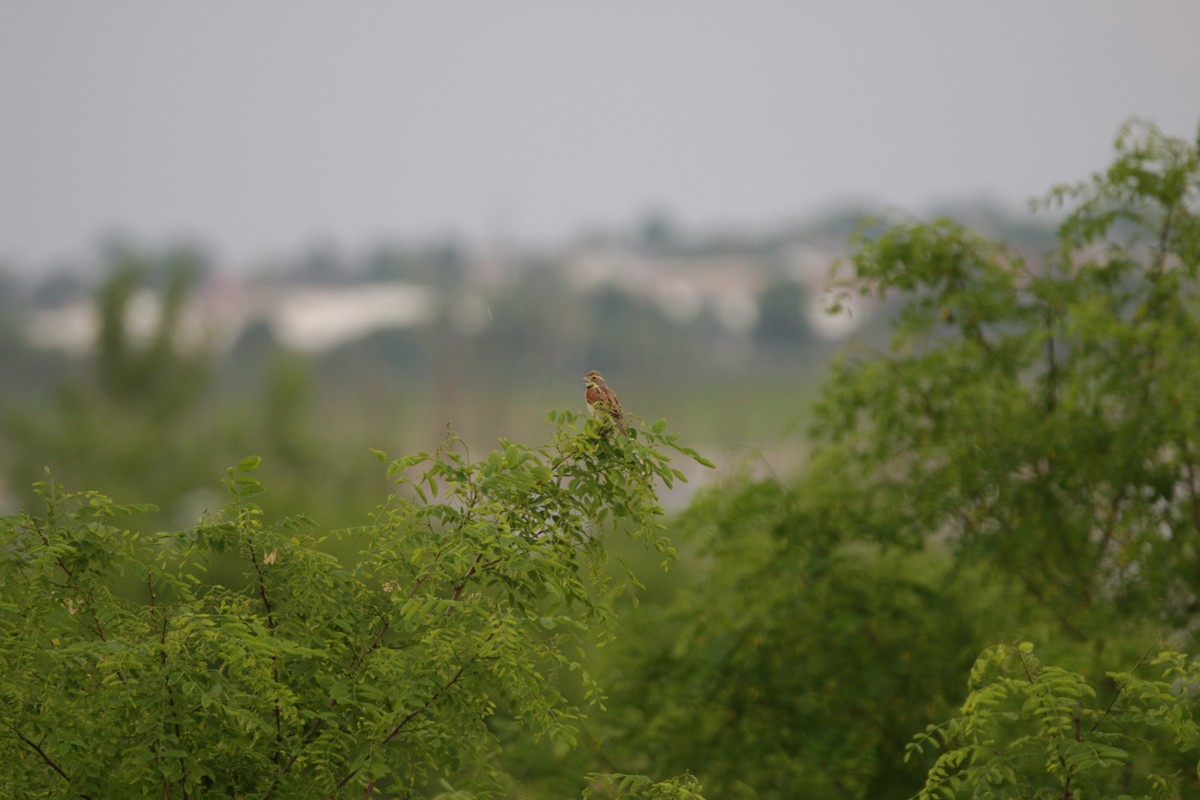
(602,398)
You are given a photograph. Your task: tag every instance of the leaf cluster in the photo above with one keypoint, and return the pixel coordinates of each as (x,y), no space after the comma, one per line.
(133,667)
(1030,730)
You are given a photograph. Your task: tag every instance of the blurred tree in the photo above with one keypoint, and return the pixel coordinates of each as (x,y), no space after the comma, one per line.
(781,319)
(322,263)
(140,356)
(657,232)
(149,420)
(59,287)
(448,262)
(134,424)
(390,262)
(796,666)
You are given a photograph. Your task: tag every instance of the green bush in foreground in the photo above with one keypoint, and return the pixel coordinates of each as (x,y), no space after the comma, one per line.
(1028,730)
(130,668)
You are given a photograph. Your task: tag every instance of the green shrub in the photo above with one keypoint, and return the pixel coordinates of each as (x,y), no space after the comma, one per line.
(132,667)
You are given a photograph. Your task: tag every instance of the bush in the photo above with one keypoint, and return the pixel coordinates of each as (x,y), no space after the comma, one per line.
(131,667)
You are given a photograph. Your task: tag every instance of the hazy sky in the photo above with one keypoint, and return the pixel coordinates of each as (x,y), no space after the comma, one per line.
(264,127)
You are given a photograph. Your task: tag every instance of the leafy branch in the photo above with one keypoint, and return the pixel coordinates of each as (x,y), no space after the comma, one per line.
(1033,729)
(476,584)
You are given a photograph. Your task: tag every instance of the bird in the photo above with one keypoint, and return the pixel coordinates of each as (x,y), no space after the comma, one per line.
(602,400)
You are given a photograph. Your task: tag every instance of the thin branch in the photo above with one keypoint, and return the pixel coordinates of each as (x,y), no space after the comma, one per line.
(1121,689)
(313,727)
(317,722)
(409,717)
(271,624)
(42,753)
(46,540)
(162,660)
(98,628)
(1164,238)
(458,587)
(262,584)
(1193,488)
(1063,619)
(1051,367)
(371,647)
(417,712)
(1110,521)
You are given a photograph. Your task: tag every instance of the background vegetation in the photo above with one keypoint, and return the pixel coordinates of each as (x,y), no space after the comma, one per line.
(1006,465)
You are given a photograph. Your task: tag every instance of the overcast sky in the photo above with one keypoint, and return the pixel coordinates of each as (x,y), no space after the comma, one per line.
(261,128)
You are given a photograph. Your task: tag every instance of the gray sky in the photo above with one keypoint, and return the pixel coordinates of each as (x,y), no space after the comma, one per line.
(261,128)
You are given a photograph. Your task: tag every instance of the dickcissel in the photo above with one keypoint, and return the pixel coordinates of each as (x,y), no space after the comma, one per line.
(602,400)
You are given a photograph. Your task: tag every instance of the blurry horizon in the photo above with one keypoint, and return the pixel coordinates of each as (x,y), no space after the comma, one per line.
(261,132)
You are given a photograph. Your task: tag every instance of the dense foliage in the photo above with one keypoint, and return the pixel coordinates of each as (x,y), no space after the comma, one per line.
(1037,731)
(131,667)
(1020,462)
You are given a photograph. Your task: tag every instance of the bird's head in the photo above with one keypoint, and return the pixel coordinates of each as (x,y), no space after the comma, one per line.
(593,379)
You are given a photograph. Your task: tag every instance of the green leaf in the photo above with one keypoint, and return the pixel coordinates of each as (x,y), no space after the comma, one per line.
(248,463)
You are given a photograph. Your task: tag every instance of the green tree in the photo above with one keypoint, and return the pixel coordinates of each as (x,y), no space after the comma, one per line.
(129,668)
(132,414)
(1019,462)
(158,374)
(781,321)
(1041,417)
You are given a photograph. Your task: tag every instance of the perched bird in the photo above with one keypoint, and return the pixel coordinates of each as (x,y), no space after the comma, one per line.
(602,400)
